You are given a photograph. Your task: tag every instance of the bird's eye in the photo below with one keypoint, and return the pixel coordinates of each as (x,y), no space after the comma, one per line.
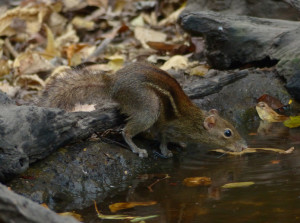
(227,133)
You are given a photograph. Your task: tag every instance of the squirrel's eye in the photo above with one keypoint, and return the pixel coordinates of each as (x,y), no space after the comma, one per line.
(227,133)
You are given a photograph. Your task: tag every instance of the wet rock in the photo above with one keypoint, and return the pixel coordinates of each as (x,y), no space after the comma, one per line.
(15,208)
(235,41)
(72,177)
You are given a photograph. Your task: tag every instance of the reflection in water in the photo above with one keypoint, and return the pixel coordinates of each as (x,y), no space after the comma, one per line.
(275,196)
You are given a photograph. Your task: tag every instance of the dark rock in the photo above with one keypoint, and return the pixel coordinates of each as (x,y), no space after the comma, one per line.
(72,177)
(272,9)
(234,41)
(15,208)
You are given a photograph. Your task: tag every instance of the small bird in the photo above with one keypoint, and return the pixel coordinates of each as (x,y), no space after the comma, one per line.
(266,113)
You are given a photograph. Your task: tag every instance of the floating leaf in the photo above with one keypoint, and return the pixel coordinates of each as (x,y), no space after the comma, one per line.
(72,214)
(121,217)
(238,184)
(126,205)
(197,181)
(254,150)
(292,122)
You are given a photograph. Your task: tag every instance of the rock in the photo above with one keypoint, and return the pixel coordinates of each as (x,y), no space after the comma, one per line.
(29,133)
(15,208)
(272,9)
(74,176)
(234,41)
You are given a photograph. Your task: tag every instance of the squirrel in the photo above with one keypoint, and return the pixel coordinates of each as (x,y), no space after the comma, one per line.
(151,99)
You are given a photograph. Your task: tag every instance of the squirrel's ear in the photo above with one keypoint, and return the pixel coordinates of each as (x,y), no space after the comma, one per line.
(209,122)
(213,112)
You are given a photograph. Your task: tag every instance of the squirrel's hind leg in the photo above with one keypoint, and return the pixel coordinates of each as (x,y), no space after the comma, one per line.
(140,120)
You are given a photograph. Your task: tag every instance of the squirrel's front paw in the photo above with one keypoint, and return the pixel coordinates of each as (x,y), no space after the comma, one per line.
(143,153)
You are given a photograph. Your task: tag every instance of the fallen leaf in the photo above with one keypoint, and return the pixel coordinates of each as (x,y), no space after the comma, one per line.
(11,91)
(197,181)
(274,103)
(30,82)
(82,23)
(176,62)
(172,18)
(254,150)
(173,49)
(50,50)
(144,35)
(138,21)
(238,184)
(121,217)
(68,37)
(23,19)
(115,62)
(73,5)
(292,122)
(266,113)
(5,67)
(30,63)
(126,205)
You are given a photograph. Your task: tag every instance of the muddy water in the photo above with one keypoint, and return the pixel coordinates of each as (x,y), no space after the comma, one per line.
(275,196)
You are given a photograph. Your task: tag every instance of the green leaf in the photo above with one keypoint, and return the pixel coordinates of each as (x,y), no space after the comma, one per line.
(292,122)
(238,184)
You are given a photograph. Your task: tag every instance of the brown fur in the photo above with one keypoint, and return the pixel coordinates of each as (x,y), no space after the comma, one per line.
(151,99)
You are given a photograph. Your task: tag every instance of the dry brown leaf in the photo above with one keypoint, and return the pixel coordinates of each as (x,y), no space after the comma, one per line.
(254,150)
(268,114)
(144,35)
(11,91)
(98,3)
(172,18)
(68,37)
(82,23)
(197,181)
(57,23)
(175,62)
(23,19)
(30,82)
(138,21)
(126,205)
(30,63)
(50,50)
(5,67)
(73,5)
(76,53)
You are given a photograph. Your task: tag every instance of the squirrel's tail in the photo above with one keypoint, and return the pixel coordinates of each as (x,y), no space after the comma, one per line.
(67,88)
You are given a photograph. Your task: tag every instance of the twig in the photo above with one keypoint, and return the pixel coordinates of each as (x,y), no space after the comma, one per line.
(158,180)
(10,48)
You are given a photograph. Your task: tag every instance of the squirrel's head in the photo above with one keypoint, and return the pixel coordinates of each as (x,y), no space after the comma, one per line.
(222,133)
